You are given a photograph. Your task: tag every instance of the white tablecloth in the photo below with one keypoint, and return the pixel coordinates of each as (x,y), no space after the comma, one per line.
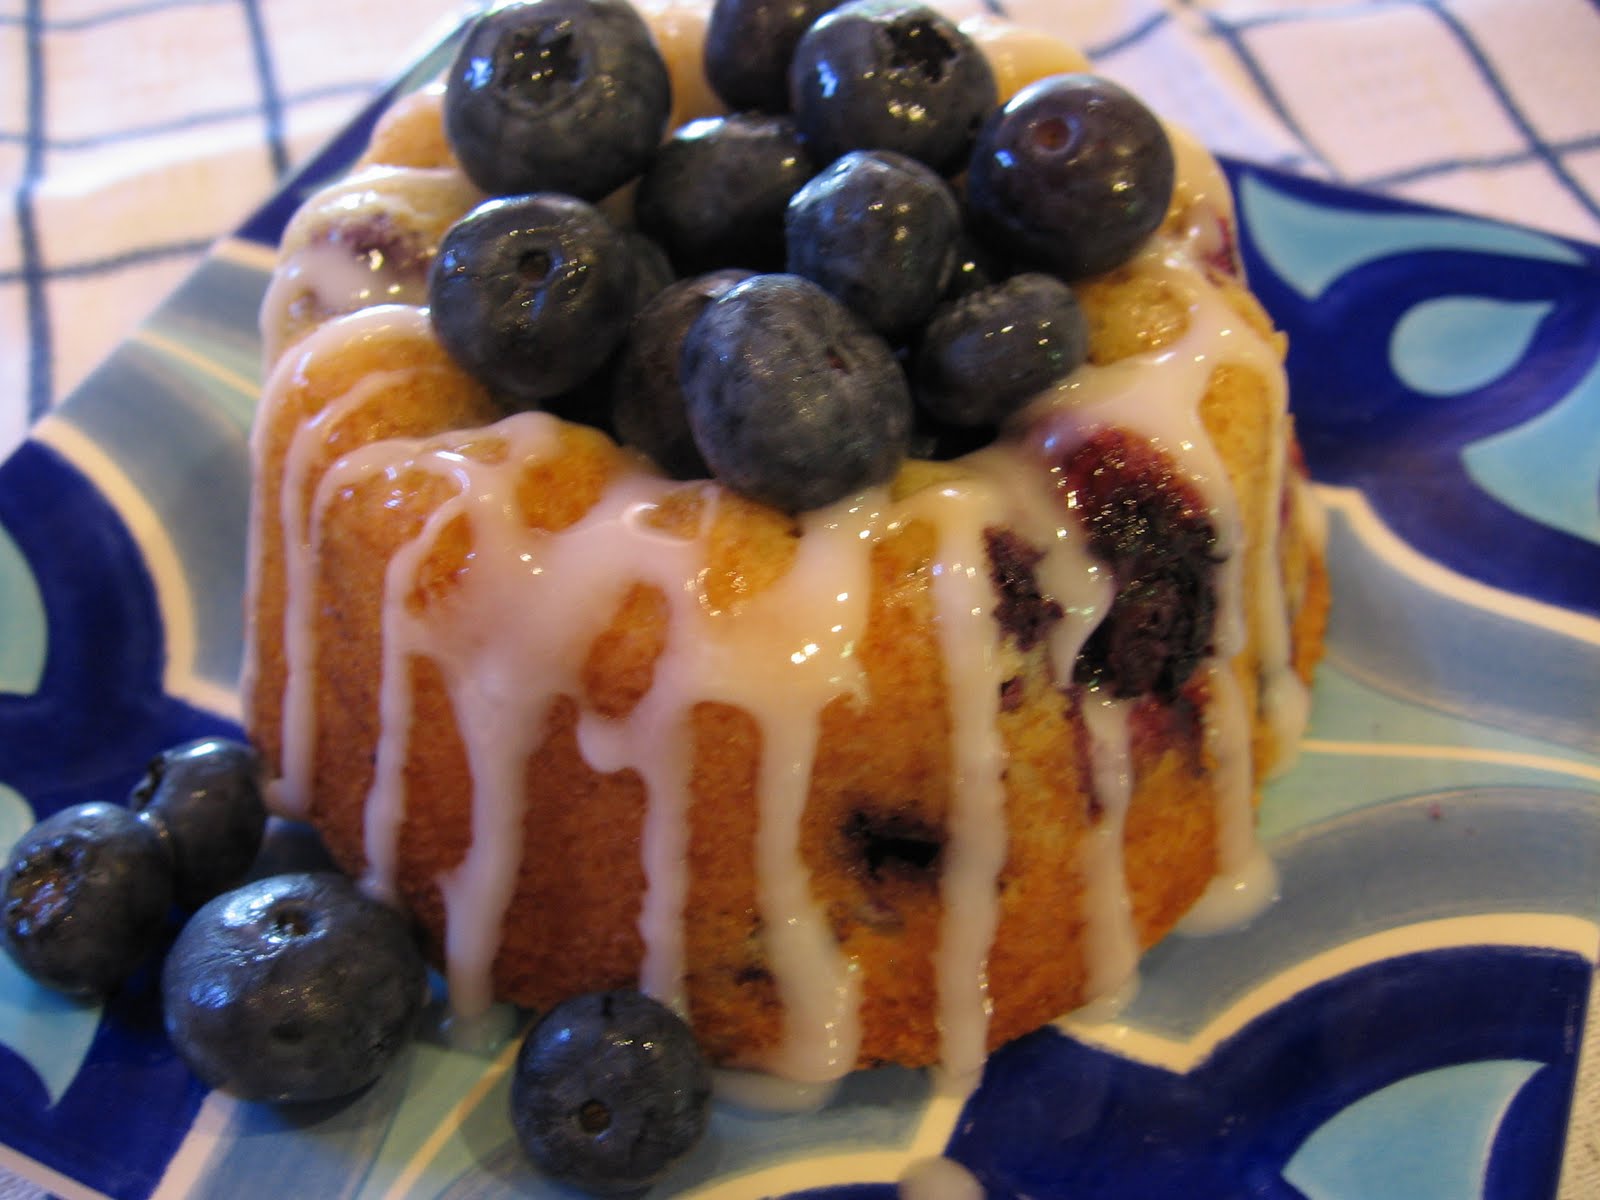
(135,132)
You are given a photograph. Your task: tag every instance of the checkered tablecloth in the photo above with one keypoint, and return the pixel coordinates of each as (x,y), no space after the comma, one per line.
(134,132)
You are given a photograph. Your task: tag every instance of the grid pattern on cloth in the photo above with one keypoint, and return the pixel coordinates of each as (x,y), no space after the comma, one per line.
(133,133)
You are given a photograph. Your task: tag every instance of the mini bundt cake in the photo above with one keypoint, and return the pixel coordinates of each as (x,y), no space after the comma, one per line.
(890,780)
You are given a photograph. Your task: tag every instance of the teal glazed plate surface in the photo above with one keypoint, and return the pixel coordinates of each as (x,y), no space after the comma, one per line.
(1403,1022)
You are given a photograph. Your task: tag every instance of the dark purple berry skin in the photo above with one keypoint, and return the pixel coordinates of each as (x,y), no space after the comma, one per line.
(793,401)
(86,895)
(1071,176)
(890,75)
(556,95)
(292,988)
(715,193)
(976,267)
(532,294)
(648,410)
(609,1090)
(879,231)
(204,800)
(748,47)
(652,269)
(1148,524)
(984,356)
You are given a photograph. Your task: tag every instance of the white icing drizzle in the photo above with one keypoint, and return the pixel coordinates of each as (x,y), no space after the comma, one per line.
(298,530)
(939,1178)
(393,213)
(1246,881)
(759,1092)
(511,635)
(1067,572)
(1283,701)
(1111,949)
(818,986)
(975,850)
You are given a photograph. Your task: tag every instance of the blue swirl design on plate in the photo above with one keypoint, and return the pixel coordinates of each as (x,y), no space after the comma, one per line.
(1444,1074)
(1054,1117)
(103,1101)
(1448,367)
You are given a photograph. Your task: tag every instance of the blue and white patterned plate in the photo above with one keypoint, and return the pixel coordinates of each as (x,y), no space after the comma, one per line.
(1404,1022)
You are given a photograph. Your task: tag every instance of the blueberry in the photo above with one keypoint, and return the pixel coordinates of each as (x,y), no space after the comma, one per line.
(295,987)
(879,231)
(1072,175)
(652,269)
(556,95)
(793,401)
(976,267)
(892,75)
(87,893)
(532,293)
(1145,520)
(647,393)
(715,193)
(984,356)
(204,799)
(609,1090)
(748,47)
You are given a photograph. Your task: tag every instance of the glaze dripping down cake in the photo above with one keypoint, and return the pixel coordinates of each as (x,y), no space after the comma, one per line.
(895,779)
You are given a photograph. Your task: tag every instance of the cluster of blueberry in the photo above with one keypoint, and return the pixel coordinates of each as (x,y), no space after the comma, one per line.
(296,986)
(262,990)
(868,258)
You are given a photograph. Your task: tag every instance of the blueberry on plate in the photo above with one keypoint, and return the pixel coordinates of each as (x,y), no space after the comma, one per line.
(86,895)
(715,193)
(879,231)
(608,1091)
(985,355)
(1072,176)
(532,293)
(204,799)
(556,95)
(648,409)
(296,987)
(890,75)
(748,47)
(792,399)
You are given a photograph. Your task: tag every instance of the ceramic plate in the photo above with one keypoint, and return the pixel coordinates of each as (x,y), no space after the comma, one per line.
(1404,1021)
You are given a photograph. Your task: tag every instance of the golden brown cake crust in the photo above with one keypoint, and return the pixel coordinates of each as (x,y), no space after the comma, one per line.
(356,419)
(879,792)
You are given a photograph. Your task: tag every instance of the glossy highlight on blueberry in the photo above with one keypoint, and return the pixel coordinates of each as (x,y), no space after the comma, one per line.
(293,988)
(983,356)
(792,399)
(204,799)
(609,1090)
(1072,175)
(890,75)
(557,95)
(716,191)
(84,898)
(748,46)
(648,410)
(879,231)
